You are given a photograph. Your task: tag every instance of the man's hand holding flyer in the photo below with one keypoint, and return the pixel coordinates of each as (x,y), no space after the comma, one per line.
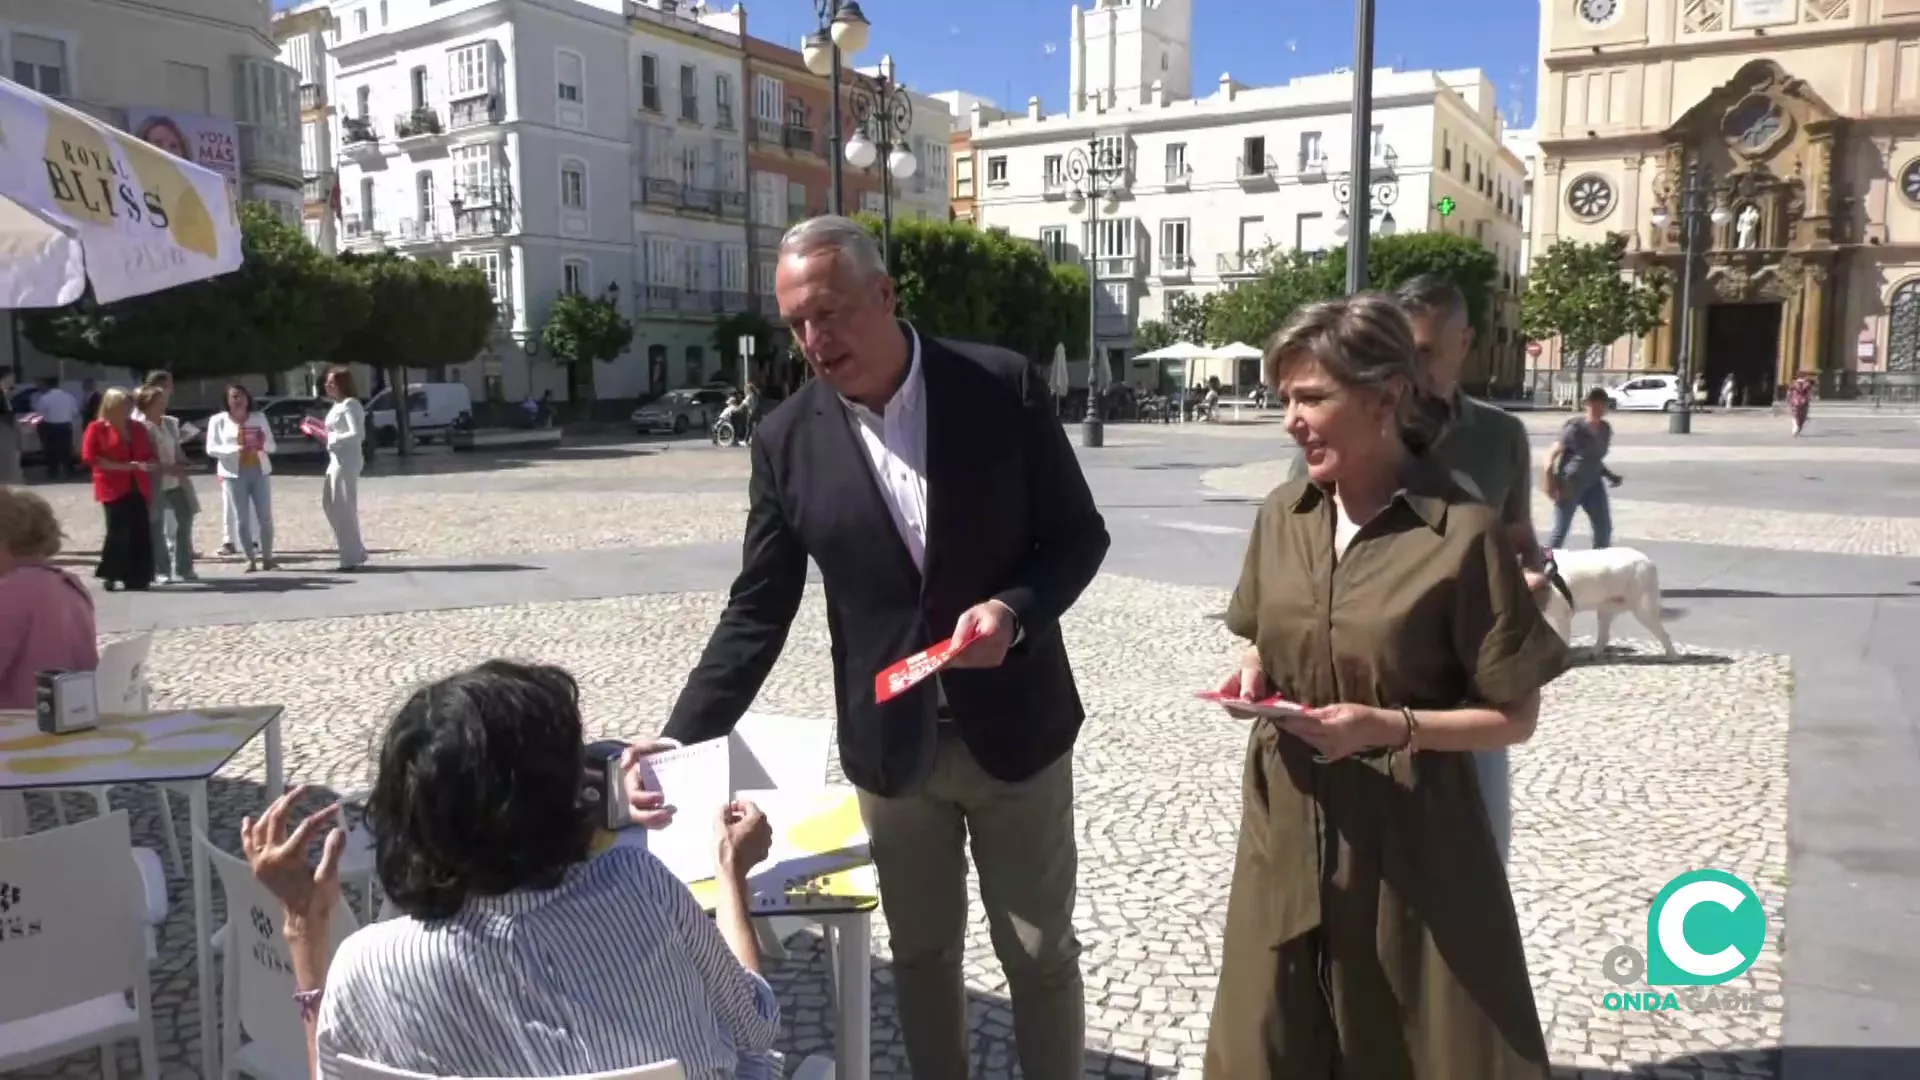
(916,669)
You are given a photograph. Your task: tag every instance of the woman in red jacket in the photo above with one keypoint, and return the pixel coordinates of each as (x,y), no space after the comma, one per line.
(122,456)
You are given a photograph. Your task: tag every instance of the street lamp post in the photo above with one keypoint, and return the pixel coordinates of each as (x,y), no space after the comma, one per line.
(1695,208)
(1357,199)
(882,117)
(1096,171)
(842,30)
(1359,174)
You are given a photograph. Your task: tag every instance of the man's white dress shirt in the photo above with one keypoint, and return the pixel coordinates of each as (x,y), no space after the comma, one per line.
(56,406)
(895,439)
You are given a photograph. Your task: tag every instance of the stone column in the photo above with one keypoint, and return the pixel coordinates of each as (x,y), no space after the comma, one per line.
(1663,339)
(1813,318)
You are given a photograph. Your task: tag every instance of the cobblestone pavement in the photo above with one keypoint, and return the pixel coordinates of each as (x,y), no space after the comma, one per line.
(1690,752)
(1779,530)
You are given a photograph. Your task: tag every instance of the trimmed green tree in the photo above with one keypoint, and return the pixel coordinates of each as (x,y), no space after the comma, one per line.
(1580,293)
(727,333)
(420,314)
(954,280)
(583,330)
(287,305)
(1152,335)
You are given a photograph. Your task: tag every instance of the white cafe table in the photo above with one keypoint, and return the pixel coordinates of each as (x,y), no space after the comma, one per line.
(181,749)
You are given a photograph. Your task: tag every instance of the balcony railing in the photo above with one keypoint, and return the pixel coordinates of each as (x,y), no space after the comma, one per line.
(1116,266)
(362,230)
(357,130)
(1178,264)
(690,108)
(473,112)
(1314,165)
(1255,170)
(798,139)
(417,230)
(649,98)
(318,187)
(1242,262)
(313,96)
(1179,175)
(660,298)
(1054,186)
(419,123)
(768,236)
(723,116)
(766,131)
(699,302)
(502,314)
(733,301)
(660,191)
(733,204)
(705,200)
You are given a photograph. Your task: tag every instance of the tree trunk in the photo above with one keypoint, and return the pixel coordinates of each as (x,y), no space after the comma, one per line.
(402,412)
(1580,378)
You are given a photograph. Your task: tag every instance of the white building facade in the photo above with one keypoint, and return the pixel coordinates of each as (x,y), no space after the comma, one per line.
(304,33)
(1206,186)
(562,146)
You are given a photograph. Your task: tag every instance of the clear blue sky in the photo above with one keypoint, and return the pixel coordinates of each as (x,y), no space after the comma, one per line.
(1008,50)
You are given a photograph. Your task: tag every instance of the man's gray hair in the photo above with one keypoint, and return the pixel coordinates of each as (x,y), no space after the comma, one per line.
(840,235)
(1431,294)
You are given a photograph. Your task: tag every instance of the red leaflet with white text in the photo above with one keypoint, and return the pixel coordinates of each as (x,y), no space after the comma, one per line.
(314,429)
(916,669)
(1275,707)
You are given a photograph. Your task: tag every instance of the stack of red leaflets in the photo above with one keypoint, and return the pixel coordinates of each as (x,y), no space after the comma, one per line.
(916,669)
(314,429)
(1272,708)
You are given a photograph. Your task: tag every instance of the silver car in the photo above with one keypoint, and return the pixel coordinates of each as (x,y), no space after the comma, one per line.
(679,411)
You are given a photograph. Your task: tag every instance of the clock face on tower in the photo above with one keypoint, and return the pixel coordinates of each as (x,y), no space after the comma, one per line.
(1598,12)
(1910,181)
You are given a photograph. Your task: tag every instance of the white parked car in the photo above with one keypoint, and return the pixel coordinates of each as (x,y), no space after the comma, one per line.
(678,411)
(433,410)
(1661,392)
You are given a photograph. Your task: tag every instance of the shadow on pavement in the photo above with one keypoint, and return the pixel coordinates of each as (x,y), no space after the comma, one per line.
(1583,657)
(441,568)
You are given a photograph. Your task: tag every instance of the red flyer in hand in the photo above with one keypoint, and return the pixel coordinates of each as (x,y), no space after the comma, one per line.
(916,669)
(252,439)
(1273,708)
(314,429)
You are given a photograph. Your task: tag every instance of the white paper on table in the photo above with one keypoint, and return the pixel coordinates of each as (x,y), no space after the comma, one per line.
(697,782)
(787,865)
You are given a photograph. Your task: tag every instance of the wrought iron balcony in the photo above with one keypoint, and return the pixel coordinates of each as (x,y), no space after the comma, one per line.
(733,204)
(799,139)
(723,116)
(317,188)
(1179,176)
(768,236)
(474,112)
(660,298)
(1242,262)
(357,131)
(733,301)
(766,131)
(699,302)
(1054,186)
(1313,167)
(1108,267)
(705,200)
(1255,171)
(313,96)
(690,109)
(660,191)
(1176,266)
(420,123)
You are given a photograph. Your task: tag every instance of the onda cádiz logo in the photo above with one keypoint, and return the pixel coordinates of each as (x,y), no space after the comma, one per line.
(1705,928)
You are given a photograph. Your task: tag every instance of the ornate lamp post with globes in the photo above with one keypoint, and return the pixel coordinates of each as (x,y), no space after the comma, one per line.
(1382,192)
(1096,172)
(882,117)
(1686,200)
(842,30)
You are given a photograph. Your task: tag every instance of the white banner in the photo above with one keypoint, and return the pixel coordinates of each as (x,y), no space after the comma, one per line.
(145,220)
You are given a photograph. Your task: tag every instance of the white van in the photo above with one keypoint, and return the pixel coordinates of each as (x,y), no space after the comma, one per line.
(434,409)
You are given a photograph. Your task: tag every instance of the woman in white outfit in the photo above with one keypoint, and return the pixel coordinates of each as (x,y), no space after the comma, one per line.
(241,441)
(339,499)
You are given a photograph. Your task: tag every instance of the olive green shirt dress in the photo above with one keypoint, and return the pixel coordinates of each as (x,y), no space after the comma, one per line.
(1370,932)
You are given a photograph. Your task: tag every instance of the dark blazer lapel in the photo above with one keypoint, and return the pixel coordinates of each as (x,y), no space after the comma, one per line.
(851,470)
(942,406)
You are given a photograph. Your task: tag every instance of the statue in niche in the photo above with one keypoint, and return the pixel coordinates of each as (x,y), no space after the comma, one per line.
(1746,227)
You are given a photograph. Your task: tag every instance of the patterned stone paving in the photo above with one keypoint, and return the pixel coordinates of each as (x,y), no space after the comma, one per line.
(1641,769)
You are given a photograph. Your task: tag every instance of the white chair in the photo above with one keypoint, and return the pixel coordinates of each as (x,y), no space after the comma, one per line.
(355,1069)
(71,915)
(120,684)
(261,1033)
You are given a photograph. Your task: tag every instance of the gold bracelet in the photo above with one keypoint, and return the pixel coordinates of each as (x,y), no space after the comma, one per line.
(1413,729)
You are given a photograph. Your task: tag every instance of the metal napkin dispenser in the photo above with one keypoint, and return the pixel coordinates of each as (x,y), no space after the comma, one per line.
(65,702)
(603,790)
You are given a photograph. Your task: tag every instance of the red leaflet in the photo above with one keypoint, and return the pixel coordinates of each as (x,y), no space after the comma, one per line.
(914,670)
(1275,707)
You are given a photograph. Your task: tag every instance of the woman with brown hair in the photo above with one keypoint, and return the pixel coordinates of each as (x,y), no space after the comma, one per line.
(173,495)
(120,451)
(346,438)
(1370,932)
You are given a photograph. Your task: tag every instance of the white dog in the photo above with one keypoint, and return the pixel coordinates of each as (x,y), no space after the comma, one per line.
(1607,582)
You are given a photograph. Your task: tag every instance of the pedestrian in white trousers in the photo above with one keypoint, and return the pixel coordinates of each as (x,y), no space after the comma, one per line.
(340,496)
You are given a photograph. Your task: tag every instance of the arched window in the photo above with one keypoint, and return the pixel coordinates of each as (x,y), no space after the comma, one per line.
(1903,329)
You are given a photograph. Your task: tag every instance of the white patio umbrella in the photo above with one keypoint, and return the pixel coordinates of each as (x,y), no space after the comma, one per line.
(1179,350)
(1236,350)
(1059,378)
(81,201)
(1099,373)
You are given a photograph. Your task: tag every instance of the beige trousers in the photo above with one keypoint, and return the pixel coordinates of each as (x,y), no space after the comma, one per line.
(1022,836)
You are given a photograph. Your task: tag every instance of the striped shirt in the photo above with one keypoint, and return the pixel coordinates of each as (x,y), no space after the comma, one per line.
(615,968)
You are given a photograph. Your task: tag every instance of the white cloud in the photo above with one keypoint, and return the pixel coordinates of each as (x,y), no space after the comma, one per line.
(1049,48)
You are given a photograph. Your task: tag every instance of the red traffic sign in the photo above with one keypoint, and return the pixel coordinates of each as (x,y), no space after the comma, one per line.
(1534,349)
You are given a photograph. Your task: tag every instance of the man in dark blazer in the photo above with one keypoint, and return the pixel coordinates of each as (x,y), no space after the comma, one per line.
(932,486)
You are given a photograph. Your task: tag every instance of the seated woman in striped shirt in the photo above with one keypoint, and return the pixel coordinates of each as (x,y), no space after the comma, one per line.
(519,953)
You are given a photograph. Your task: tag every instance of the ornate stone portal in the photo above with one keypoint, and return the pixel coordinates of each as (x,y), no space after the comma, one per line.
(1768,143)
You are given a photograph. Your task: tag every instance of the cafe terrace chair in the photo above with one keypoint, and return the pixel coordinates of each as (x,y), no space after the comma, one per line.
(121,684)
(356,1069)
(71,920)
(261,1033)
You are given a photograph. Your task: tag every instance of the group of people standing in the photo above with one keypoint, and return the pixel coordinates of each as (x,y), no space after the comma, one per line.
(143,478)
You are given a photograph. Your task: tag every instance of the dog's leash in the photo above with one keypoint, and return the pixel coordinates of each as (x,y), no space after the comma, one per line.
(1551,568)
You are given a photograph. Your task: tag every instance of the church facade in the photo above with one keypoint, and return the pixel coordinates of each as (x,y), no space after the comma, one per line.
(1801,119)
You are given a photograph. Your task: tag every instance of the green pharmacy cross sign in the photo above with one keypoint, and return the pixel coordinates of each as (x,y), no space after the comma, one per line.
(1446,206)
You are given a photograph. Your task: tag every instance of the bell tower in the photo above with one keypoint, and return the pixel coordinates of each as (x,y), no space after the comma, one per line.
(1121,48)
